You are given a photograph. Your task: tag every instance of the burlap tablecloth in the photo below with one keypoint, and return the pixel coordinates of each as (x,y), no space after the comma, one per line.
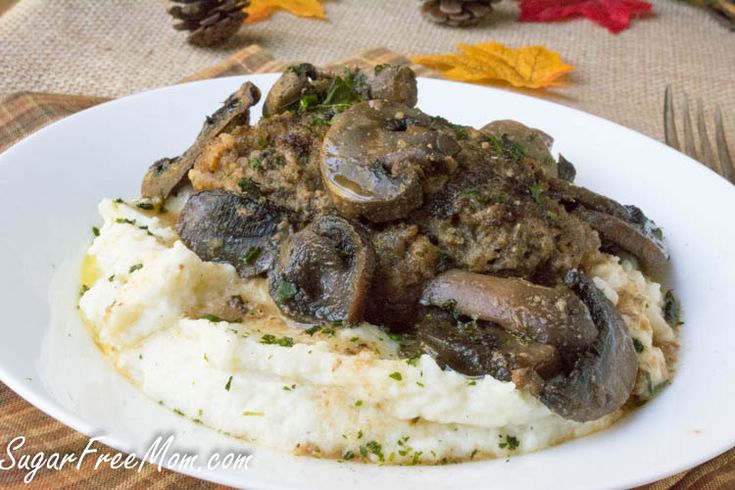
(112,48)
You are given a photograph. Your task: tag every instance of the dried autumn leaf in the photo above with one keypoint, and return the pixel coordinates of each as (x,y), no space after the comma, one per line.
(526,67)
(263,9)
(613,14)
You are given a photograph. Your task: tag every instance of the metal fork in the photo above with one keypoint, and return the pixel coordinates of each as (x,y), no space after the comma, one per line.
(722,162)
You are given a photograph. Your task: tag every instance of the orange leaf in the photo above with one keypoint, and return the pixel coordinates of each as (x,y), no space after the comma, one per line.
(263,9)
(528,67)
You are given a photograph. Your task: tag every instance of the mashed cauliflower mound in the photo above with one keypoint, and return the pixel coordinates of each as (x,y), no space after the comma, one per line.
(333,393)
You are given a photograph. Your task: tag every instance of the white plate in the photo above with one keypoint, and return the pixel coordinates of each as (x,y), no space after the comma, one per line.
(51,182)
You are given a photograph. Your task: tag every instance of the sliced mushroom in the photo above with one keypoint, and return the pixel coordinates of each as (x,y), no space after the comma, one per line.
(553,316)
(478,348)
(603,378)
(323,272)
(620,227)
(534,143)
(373,157)
(616,233)
(394,83)
(223,226)
(165,175)
(295,82)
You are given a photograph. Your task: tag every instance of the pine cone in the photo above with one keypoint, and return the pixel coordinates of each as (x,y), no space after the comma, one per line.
(457,13)
(210,21)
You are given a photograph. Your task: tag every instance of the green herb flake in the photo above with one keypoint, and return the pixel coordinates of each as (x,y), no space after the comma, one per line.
(536,189)
(211,318)
(511,442)
(83,289)
(118,201)
(286,388)
(419,384)
(554,217)
(396,375)
(249,186)
(125,221)
(179,412)
(251,255)
(308,101)
(248,413)
(255,163)
(145,205)
(312,330)
(348,455)
(134,268)
(461,132)
(372,447)
(229,384)
(269,339)
(472,382)
(95,231)
(671,309)
(111,278)
(413,360)
(358,403)
(638,345)
(286,291)
(473,454)
(206,357)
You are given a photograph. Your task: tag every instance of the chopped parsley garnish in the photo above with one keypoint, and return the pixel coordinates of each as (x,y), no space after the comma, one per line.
(229,384)
(145,205)
(83,290)
(269,339)
(554,217)
(461,132)
(312,330)
(672,311)
(638,345)
(247,413)
(372,447)
(536,189)
(111,278)
(413,360)
(396,375)
(359,434)
(510,149)
(420,384)
(179,412)
(251,255)
(125,221)
(287,388)
(308,101)
(249,186)
(358,403)
(95,231)
(255,163)
(348,455)
(511,442)
(472,382)
(134,268)
(286,291)
(118,201)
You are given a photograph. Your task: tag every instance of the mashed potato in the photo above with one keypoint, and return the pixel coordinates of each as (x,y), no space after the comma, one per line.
(336,393)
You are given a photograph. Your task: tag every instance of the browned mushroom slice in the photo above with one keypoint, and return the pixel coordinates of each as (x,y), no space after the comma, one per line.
(603,378)
(223,226)
(286,93)
(323,272)
(165,175)
(532,142)
(373,156)
(394,83)
(477,348)
(620,227)
(616,233)
(553,316)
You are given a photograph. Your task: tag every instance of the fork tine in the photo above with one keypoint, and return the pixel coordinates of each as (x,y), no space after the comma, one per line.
(689,147)
(708,157)
(670,135)
(728,170)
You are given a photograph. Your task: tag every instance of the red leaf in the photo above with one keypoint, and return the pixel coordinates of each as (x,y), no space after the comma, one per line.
(613,14)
